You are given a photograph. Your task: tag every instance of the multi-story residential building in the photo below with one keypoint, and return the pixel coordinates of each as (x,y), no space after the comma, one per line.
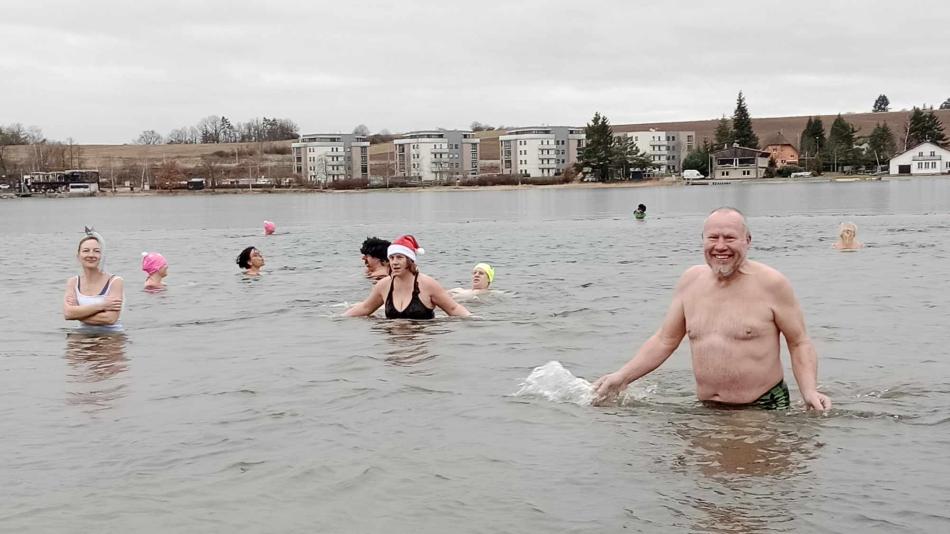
(667,149)
(540,150)
(437,155)
(739,162)
(321,158)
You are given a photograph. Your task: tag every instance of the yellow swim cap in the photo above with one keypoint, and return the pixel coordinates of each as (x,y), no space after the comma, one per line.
(488,271)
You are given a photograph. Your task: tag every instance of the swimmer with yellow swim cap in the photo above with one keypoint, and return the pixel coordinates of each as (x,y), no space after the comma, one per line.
(483,275)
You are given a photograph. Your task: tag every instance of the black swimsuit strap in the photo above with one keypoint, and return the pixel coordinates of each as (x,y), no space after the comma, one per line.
(104,289)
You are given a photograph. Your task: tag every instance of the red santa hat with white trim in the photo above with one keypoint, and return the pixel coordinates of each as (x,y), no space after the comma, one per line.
(405,245)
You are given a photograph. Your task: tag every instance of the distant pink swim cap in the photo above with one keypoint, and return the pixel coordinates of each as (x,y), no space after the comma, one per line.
(269,227)
(152,262)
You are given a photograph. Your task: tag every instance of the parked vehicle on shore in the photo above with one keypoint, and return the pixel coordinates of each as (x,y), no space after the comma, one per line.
(691,174)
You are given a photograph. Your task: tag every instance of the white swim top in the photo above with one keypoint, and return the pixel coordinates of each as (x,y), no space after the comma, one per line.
(84,300)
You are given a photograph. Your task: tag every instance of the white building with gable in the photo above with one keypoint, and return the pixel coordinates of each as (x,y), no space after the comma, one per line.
(925,158)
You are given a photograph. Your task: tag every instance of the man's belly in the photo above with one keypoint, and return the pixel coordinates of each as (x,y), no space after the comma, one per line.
(736,373)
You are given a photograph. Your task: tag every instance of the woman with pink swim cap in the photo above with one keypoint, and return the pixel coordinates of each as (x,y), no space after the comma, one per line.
(155,265)
(269,227)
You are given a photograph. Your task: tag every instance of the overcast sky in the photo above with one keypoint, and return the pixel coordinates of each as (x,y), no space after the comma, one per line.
(103,71)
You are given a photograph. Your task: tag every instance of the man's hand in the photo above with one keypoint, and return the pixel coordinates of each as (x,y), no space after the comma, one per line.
(816,401)
(608,386)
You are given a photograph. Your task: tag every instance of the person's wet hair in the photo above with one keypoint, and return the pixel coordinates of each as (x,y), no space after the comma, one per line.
(376,248)
(244,258)
(642,207)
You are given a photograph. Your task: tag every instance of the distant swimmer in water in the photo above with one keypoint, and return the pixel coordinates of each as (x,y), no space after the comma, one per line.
(269,228)
(94,298)
(848,237)
(733,310)
(156,268)
(374,258)
(483,275)
(251,260)
(407,293)
(641,212)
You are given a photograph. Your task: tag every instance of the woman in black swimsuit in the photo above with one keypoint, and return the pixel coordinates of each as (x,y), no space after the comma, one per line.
(407,293)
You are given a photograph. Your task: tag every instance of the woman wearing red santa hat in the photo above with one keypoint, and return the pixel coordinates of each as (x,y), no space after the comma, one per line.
(407,293)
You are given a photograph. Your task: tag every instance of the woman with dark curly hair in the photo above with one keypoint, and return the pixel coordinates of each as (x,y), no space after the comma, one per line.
(374,258)
(251,260)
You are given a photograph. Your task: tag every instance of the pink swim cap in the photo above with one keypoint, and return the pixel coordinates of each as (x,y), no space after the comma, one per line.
(269,227)
(152,262)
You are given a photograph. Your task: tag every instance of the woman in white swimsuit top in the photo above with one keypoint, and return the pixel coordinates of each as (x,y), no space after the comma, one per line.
(98,311)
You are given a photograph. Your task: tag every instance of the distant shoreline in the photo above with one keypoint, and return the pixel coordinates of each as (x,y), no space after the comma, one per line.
(435,188)
(665,182)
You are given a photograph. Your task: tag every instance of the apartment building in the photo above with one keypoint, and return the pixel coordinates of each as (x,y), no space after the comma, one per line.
(437,155)
(540,150)
(322,158)
(665,148)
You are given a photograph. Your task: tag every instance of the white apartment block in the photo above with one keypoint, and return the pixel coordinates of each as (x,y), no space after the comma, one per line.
(665,148)
(437,155)
(322,158)
(540,150)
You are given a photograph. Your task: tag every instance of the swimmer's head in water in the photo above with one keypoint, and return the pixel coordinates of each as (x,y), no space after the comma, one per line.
(374,248)
(642,207)
(726,240)
(250,257)
(482,276)
(153,262)
(269,227)
(848,230)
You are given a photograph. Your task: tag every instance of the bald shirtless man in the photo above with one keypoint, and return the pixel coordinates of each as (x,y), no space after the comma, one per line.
(733,310)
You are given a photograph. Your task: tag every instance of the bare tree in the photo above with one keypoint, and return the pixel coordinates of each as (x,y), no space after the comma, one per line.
(74,153)
(149,137)
(362,129)
(169,175)
(209,165)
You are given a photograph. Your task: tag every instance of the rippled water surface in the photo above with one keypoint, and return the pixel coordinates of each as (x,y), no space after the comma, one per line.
(235,405)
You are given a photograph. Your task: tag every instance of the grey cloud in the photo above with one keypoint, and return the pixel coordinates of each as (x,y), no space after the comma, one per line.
(102,71)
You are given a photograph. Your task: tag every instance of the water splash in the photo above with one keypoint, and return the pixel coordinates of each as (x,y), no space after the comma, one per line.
(553,382)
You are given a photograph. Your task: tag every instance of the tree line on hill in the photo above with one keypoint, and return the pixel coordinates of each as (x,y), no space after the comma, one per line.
(843,146)
(214,129)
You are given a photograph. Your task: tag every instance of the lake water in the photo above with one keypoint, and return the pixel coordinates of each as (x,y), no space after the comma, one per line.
(252,406)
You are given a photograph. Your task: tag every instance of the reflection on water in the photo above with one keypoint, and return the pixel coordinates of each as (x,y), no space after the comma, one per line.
(751,464)
(407,342)
(96,362)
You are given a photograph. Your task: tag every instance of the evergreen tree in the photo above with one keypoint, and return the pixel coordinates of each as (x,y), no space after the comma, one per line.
(698,159)
(925,128)
(934,129)
(625,155)
(742,125)
(881,144)
(881,104)
(812,143)
(724,135)
(771,168)
(598,147)
(841,142)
